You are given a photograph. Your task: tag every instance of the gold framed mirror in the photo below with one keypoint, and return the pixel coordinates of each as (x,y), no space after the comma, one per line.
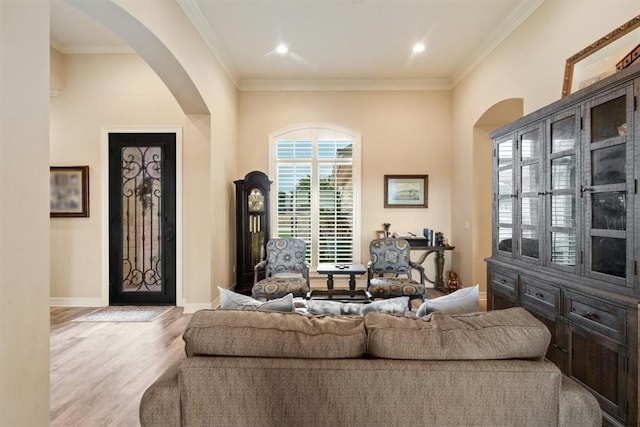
(603,57)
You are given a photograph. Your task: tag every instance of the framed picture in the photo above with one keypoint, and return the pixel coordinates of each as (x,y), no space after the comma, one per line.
(405,191)
(69,191)
(602,58)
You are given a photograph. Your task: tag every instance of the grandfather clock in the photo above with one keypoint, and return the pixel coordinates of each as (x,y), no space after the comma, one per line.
(252,227)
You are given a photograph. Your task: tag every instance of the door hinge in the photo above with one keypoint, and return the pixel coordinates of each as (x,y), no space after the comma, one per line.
(635,268)
(494,152)
(581,257)
(635,186)
(581,123)
(635,103)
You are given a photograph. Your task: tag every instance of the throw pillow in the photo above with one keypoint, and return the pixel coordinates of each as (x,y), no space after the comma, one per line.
(397,305)
(230,300)
(462,301)
(335,308)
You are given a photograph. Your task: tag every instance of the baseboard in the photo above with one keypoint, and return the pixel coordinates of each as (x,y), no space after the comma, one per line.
(75,302)
(193,307)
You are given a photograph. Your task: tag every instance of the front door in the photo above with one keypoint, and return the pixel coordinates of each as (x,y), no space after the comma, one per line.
(142,218)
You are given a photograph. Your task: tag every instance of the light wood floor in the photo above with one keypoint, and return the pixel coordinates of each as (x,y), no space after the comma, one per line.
(99,370)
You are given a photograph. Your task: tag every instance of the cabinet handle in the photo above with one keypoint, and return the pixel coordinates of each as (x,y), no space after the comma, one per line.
(539,295)
(584,188)
(590,315)
(557,347)
(503,281)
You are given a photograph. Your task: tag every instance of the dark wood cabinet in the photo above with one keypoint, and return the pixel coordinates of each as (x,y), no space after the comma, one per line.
(565,245)
(252,227)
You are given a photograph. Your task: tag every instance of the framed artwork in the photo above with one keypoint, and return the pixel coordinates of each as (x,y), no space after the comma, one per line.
(602,58)
(69,191)
(406,191)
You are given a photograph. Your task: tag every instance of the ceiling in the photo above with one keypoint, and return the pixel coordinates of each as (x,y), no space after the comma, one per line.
(332,43)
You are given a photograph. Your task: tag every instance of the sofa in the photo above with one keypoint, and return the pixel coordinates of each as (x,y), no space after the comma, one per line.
(261,368)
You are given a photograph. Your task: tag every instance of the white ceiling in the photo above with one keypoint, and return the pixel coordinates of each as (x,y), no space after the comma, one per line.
(338,43)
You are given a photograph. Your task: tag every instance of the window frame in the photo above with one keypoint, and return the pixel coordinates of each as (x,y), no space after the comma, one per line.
(314,131)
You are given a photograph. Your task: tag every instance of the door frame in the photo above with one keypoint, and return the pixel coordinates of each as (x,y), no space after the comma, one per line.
(104,210)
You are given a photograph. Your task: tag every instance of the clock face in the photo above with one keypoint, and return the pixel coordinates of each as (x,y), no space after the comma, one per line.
(256,200)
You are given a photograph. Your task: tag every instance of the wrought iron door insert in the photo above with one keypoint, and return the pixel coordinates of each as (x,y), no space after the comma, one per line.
(142,218)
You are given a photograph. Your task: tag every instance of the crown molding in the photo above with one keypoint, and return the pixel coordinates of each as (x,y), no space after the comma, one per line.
(343,84)
(194,14)
(502,31)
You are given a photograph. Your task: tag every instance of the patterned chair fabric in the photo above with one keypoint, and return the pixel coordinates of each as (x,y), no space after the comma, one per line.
(389,270)
(286,270)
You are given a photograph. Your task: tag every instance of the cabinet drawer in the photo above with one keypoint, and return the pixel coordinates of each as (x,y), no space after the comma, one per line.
(540,294)
(606,318)
(505,281)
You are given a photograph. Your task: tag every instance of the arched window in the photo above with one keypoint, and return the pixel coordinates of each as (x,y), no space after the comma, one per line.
(316,190)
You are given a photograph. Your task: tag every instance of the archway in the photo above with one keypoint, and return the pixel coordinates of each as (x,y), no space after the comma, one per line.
(150,48)
(496,116)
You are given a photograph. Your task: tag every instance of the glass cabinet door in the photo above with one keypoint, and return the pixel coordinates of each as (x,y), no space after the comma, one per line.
(608,186)
(529,202)
(504,194)
(562,191)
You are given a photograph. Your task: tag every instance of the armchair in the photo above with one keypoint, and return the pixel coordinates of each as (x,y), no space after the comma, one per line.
(389,270)
(286,270)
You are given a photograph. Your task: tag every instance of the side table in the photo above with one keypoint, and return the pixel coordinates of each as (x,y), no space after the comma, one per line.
(352,270)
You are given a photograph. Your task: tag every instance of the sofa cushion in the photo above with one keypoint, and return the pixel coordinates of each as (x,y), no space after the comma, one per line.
(462,301)
(230,300)
(273,334)
(500,334)
(398,305)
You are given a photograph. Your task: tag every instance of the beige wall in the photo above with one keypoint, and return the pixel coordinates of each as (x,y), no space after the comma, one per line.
(24,213)
(101,91)
(403,132)
(529,65)
(111,91)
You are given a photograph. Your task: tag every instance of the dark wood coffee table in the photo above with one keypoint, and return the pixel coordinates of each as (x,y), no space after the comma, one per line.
(351,294)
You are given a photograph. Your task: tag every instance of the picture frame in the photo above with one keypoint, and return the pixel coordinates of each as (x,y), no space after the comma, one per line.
(406,191)
(601,58)
(69,191)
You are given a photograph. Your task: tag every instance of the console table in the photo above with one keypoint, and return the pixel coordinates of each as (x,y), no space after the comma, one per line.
(420,244)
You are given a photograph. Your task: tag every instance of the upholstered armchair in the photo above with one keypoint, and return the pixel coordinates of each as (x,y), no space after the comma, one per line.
(286,270)
(389,270)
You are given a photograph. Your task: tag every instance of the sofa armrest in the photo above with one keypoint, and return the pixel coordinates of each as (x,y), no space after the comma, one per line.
(160,403)
(578,407)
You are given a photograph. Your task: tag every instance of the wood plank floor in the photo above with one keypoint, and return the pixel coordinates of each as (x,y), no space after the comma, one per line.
(99,370)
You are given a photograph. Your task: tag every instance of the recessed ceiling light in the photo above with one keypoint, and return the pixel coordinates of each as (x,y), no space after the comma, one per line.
(282,49)
(418,47)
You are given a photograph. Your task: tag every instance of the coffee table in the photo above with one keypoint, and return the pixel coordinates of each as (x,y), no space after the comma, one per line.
(351,294)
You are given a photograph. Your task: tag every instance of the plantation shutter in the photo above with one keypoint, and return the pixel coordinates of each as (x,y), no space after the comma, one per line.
(315,195)
(335,201)
(294,190)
